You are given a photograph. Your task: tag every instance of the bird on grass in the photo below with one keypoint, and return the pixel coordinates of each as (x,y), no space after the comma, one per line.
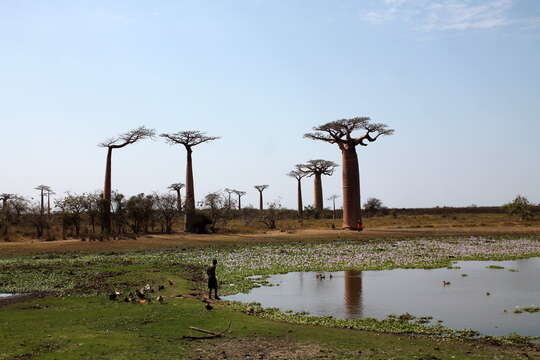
(161,287)
(140,294)
(160,299)
(207,305)
(114,295)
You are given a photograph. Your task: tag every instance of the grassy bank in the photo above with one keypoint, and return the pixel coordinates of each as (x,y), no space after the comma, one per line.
(78,321)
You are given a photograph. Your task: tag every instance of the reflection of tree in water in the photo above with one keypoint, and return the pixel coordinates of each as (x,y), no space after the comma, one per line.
(353,293)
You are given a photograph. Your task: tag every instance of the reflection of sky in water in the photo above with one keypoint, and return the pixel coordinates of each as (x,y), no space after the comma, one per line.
(5,295)
(463,304)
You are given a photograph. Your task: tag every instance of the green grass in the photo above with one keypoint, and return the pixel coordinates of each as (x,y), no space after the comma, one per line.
(94,327)
(79,322)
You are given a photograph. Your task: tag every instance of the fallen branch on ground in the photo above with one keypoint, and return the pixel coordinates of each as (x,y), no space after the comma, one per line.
(211,334)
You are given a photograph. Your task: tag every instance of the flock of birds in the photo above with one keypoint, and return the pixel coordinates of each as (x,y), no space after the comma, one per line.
(144,296)
(141,296)
(321,276)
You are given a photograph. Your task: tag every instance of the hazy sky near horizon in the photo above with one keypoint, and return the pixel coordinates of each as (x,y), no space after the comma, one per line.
(459,81)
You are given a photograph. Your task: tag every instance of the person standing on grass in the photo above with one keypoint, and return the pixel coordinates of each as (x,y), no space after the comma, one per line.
(212,280)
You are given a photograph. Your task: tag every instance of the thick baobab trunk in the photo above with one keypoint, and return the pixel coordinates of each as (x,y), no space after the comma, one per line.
(300,205)
(260,200)
(48,204)
(239,203)
(106,211)
(317,188)
(352,218)
(189,206)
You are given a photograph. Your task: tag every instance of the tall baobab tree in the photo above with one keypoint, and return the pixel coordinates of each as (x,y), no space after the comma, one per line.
(5,213)
(177,187)
(340,132)
(260,189)
(43,189)
(188,139)
(229,192)
(299,174)
(239,194)
(118,142)
(49,193)
(318,168)
(333,198)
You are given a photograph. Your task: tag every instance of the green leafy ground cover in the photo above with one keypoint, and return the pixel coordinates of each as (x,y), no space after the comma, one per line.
(80,322)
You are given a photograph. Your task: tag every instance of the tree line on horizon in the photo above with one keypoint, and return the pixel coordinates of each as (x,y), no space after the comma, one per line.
(106,206)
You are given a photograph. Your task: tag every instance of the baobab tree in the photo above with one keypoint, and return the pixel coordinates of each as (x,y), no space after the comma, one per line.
(177,187)
(118,142)
(229,192)
(340,132)
(239,194)
(188,139)
(5,214)
(317,168)
(260,189)
(333,198)
(43,189)
(49,193)
(299,174)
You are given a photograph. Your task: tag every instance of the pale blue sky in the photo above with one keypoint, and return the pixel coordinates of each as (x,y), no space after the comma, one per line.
(459,80)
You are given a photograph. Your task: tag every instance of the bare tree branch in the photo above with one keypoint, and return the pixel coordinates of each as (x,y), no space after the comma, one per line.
(340,131)
(128,138)
(318,166)
(176,187)
(261,188)
(188,138)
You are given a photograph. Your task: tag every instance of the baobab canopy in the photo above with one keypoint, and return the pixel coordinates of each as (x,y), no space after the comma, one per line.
(341,132)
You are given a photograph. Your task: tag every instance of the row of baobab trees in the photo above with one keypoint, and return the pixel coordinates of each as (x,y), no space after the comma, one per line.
(339,132)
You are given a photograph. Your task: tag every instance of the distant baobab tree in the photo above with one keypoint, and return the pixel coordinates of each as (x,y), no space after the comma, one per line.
(49,193)
(177,187)
(239,194)
(43,189)
(340,132)
(118,142)
(299,174)
(5,213)
(5,198)
(188,139)
(333,199)
(317,168)
(260,189)
(229,192)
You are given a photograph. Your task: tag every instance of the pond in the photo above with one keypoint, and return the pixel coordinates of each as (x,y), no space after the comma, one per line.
(475,298)
(6,295)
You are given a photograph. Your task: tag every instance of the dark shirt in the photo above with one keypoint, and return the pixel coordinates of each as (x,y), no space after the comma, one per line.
(211,271)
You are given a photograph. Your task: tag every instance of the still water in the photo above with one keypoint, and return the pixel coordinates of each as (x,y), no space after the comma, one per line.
(464,304)
(6,295)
